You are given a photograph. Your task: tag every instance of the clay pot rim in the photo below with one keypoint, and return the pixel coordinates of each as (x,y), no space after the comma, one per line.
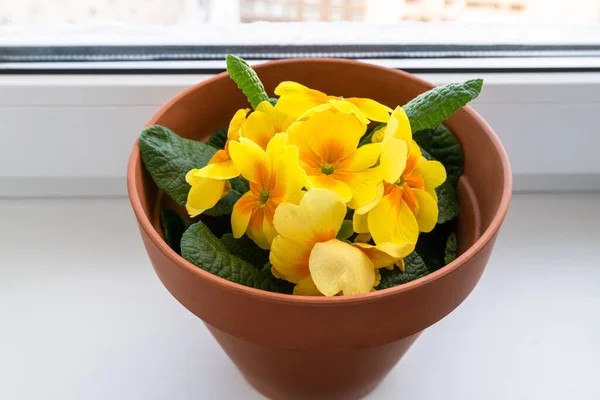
(180,262)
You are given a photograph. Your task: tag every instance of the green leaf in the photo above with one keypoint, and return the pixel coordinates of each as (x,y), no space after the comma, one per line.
(247,80)
(431,246)
(414,268)
(366,138)
(203,249)
(346,230)
(273,101)
(431,108)
(247,250)
(169,157)
(218,139)
(450,254)
(443,146)
(225,205)
(447,202)
(173,227)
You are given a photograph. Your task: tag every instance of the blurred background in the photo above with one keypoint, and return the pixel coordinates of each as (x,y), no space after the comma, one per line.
(173,12)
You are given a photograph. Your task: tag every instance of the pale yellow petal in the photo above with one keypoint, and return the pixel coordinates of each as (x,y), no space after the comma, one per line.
(330,183)
(242,211)
(427,210)
(220,166)
(336,266)
(290,259)
(393,159)
(392,221)
(250,160)
(204,194)
(259,128)
(371,109)
(318,217)
(306,287)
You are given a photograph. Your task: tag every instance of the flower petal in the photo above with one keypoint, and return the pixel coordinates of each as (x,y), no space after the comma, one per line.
(290,259)
(360,223)
(306,287)
(281,121)
(330,183)
(236,124)
(220,166)
(336,266)
(399,126)
(364,186)
(333,136)
(346,107)
(295,99)
(371,109)
(318,218)
(432,172)
(392,220)
(385,254)
(204,193)
(259,128)
(393,159)
(250,160)
(242,211)
(427,210)
(364,157)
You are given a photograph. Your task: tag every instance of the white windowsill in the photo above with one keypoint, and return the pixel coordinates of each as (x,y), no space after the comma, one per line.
(69,135)
(85,317)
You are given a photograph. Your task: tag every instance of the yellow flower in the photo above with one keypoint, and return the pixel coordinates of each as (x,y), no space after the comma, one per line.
(274,177)
(328,142)
(307,253)
(220,165)
(209,184)
(264,123)
(204,192)
(299,101)
(409,203)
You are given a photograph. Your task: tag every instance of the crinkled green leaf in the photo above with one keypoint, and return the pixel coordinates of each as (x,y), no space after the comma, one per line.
(414,268)
(450,254)
(273,100)
(218,139)
(173,227)
(246,249)
(247,80)
(442,145)
(168,157)
(346,230)
(431,108)
(447,202)
(203,249)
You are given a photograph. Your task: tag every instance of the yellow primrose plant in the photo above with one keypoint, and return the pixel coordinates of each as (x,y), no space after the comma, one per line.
(315,194)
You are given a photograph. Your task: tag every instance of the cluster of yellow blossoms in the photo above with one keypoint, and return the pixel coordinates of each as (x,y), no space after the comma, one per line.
(305,168)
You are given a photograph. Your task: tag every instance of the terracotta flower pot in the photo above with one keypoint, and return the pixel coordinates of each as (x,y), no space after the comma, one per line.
(314,347)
